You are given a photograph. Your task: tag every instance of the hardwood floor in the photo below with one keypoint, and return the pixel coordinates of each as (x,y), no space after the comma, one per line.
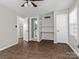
(42,50)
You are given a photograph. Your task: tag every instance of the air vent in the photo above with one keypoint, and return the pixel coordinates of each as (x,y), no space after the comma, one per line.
(47,17)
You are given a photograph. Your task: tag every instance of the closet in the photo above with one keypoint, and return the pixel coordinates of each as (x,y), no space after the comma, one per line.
(47,26)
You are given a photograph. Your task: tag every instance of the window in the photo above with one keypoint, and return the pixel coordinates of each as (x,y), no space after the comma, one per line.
(73,22)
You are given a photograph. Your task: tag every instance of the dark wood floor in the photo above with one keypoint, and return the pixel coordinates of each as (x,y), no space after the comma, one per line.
(42,50)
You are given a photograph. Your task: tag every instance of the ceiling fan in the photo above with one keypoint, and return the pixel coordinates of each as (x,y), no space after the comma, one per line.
(30,3)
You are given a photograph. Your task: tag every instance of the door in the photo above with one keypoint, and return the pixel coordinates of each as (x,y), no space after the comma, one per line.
(62,28)
(34,27)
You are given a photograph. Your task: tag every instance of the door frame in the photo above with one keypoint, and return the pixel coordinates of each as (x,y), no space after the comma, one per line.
(65,11)
(30,27)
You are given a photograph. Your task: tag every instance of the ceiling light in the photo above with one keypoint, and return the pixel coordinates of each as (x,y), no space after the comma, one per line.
(25,4)
(29,3)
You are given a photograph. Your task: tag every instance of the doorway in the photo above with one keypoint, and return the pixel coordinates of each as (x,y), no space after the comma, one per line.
(33,29)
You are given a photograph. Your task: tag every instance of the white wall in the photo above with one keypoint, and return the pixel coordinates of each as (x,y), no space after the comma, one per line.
(8,31)
(72,41)
(25,30)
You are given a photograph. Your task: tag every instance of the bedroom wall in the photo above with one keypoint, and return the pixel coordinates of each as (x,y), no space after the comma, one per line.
(72,41)
(8,31)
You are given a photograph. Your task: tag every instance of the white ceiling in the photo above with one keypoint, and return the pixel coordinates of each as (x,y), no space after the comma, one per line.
(43,7)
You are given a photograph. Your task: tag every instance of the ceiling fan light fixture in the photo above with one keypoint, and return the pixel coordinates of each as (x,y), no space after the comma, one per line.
(25,4)
(29,3)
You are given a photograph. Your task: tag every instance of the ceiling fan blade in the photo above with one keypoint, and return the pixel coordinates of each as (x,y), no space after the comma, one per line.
(22,5)
(36,0)
(33,0)
(26,0)
(34,4)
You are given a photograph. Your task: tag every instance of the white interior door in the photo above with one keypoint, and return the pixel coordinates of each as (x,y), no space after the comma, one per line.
(36,33)
(62,28)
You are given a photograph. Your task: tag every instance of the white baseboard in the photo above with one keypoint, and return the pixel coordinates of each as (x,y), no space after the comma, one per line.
(55,42)
(60,42)
(38,40)
(1,49)
(74,50)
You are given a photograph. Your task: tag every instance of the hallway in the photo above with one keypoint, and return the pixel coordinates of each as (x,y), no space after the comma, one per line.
(42,50)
